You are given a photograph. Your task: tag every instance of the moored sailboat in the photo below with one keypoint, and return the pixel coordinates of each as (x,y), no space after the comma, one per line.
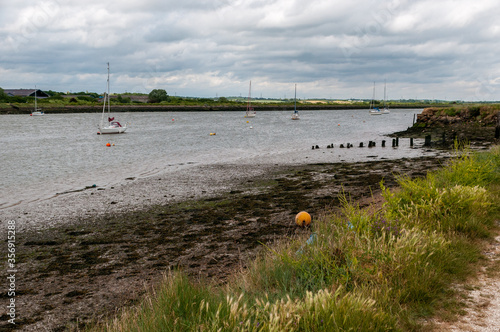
(36,111)
(374,110)
(250,113)
(111,126)
(295,115)
(386,108)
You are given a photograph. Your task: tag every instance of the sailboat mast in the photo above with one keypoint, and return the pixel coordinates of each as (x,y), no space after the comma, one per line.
(372,103)
(249,96)
(385,96)
(109,102)
(106,98)
(35,99)
(295,99)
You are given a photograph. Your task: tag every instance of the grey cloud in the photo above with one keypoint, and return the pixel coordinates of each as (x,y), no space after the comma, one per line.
(202,48)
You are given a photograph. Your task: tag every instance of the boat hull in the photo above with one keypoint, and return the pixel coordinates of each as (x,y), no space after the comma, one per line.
(111,130)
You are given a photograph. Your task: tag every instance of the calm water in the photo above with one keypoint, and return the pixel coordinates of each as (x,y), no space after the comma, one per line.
(42,156)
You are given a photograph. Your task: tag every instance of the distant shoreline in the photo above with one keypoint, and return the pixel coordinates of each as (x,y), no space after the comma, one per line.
(62,109)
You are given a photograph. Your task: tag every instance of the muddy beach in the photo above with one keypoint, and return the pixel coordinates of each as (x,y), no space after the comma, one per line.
(85,265)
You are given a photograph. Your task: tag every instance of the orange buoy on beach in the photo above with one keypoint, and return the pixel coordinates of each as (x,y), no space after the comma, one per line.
(107,144)
(303,219)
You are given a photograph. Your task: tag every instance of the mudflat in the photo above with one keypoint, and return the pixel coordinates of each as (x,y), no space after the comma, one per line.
(84,256)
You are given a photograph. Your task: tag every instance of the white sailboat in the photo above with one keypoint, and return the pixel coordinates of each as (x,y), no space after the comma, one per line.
(250,113)
(386,108)
(374,110)
(295,115)
(111,126)
(36,111)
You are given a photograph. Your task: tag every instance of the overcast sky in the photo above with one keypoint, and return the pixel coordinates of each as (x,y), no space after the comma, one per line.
(431,49)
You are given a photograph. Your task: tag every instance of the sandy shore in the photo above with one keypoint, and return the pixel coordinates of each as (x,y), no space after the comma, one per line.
(194,182)
(131,195)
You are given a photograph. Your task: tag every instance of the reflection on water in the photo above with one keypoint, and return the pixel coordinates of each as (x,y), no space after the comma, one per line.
(42,156)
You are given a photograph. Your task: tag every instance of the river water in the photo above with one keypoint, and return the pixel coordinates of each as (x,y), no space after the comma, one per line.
(45,155)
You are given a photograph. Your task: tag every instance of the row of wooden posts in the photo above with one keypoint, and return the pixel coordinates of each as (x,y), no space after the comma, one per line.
(395,141)
(371,144)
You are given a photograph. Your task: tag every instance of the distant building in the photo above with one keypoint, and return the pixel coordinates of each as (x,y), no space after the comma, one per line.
(25,93)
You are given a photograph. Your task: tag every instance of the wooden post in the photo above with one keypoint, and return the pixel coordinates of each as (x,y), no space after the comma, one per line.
(411,141)
(397,141)
(361,144)
(427,140)
(383,143)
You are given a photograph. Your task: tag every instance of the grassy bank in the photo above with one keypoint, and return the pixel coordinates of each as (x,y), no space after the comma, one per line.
(479,115)
(83,106)
(377,269)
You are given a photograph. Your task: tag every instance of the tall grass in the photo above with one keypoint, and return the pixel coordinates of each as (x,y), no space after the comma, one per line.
(455,198)
(358,271)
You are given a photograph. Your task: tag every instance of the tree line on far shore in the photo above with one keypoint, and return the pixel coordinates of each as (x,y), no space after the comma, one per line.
(161,97)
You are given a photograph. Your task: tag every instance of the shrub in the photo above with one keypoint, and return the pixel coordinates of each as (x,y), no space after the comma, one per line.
(451,111)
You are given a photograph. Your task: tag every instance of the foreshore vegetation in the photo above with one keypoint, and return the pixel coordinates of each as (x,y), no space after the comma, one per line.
(387,267)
